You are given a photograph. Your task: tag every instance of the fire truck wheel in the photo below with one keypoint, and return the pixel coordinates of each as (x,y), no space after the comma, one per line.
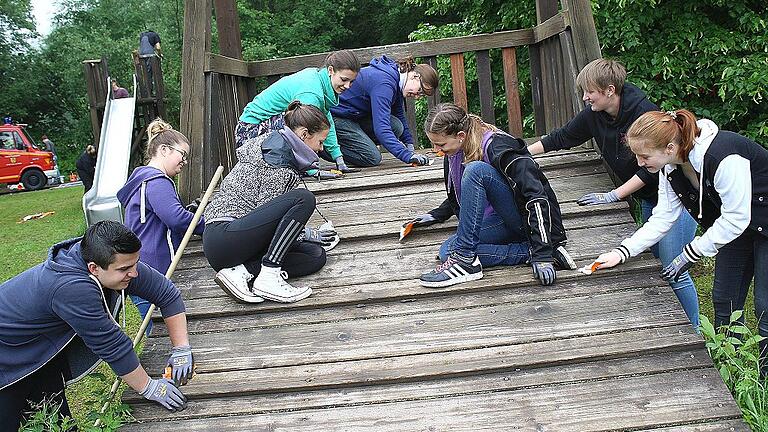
(33,179)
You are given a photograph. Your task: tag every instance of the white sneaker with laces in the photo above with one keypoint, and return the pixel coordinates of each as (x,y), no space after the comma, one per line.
(271,284)
(234,281)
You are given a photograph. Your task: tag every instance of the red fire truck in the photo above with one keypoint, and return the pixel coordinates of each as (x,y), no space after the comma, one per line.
(22,162)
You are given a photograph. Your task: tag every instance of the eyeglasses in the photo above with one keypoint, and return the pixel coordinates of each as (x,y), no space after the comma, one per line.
(422,90)
(184,154)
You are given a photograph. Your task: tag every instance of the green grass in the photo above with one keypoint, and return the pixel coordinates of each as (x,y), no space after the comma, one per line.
(26,244)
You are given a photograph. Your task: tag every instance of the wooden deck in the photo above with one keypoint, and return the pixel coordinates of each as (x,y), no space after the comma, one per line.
(371,350)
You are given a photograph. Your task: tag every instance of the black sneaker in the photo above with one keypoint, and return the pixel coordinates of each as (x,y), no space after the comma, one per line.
(452,272)
(562,259)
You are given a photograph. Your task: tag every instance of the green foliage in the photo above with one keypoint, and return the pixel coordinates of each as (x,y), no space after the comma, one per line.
(46,417)
(734,350)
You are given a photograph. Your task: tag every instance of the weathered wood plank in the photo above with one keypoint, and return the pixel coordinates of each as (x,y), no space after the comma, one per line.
(504,380)
(458,80)
(485,87)
(715,426)
(512,91)
(228,29)
(435,98)
(635,402)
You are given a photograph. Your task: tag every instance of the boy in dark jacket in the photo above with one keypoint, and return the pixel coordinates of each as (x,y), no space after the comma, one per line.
(55,323)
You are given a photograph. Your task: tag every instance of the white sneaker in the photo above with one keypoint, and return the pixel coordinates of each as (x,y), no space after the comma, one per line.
(234,281)
(271,284)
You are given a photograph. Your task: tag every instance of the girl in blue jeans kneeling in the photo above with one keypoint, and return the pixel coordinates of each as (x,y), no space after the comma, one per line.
(491,181)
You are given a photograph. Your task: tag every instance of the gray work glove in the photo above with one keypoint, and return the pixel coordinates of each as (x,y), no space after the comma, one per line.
(418,159)
(327,175)
(598,198)
(193,206)
(423,220)
(182,364)
(544,272)
(342,166)
(165,393)
(677,267)
(323,237)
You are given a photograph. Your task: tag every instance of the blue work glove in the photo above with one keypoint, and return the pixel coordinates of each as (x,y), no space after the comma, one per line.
(323,237)
(182,364)
(598,198)
(342,166)
(544,272)
(418,159)
(165,393)
(679,265)
(423,220)
(193,206)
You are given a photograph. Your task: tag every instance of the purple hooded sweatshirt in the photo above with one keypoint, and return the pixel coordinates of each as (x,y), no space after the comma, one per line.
(154,212)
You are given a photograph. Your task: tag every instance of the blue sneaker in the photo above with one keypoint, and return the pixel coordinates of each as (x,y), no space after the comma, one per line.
(453,271)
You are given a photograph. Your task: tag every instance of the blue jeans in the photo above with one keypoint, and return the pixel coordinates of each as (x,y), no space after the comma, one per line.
(143,307)
(735,265)
(498,238)
(356,140)
(669,247)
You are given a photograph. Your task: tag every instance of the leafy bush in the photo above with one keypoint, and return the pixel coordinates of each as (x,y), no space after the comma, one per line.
(734,350)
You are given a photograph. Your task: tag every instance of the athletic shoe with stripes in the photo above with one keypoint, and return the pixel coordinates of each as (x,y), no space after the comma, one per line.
(234,281)
(453,271)
(563,259)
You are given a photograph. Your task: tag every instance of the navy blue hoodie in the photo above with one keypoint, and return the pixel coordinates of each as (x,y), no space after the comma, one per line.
(154,212)
(376,94)
(50,306)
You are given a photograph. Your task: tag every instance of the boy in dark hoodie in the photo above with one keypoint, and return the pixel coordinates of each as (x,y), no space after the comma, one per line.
(374,109)
(613,105)
(153,209)
(55,323)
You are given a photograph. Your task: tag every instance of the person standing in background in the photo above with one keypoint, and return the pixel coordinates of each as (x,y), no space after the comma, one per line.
(149,46)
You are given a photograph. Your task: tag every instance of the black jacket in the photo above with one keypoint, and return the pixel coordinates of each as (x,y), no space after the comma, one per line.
(533,195)
(610,137)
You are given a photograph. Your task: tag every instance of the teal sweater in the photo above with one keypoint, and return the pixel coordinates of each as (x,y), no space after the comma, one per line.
(311,86)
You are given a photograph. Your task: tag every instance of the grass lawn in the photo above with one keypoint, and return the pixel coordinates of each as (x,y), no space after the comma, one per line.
(26,244)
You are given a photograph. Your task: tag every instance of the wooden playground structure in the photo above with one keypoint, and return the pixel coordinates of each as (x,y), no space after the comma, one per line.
(371,350)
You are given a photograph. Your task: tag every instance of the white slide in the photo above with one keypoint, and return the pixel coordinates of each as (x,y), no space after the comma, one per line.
(114,154)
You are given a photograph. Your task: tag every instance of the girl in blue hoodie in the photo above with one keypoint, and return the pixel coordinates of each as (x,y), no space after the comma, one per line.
(374,109)
(319,87)
(153,209)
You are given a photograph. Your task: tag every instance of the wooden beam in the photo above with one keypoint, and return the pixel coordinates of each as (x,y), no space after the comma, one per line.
(458,80)
(485,86)
(228,29)
(585,42)
(197,42)
(511,87)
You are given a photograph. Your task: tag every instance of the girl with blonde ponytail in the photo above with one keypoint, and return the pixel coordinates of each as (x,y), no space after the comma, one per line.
(153,209)
(721,179)
(508,214)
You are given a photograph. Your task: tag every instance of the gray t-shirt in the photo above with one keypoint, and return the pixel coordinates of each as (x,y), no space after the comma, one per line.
(147,42)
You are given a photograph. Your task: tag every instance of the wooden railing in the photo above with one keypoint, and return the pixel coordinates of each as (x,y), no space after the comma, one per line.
(555,53)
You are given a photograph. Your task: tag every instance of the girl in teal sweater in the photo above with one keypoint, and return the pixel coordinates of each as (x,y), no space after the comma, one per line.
(319,87)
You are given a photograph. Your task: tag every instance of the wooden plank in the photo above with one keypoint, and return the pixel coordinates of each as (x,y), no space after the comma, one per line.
(458,80)
(537,90)
(485,87)
(582,23)
(512,91)
(635,403)
(228,29)
(571,72)
(715,426)
(421,49)
(433,100)
(545,9)
(503,380)
(410,115)
(197,41)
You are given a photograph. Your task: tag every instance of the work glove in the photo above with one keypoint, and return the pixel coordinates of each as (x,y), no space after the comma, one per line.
(193,206)
(323,237)
(598,198)
(544,272)
(327,175)
(423,220)
(182,364)
(342,166)
(165,393)
(678,266)
(418,159)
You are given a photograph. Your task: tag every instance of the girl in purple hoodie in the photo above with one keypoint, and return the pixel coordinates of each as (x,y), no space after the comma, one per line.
(152,206)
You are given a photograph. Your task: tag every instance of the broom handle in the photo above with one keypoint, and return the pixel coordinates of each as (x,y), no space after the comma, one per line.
(176,258)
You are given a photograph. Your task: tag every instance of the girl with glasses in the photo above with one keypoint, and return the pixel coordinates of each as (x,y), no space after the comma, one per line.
(153,209)
(373,111)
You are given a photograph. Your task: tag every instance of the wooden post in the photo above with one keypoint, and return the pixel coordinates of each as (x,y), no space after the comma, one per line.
(585,42)
(228,26)
(459,81)
(485,86)
(511,87)
(539,57)
(197,41)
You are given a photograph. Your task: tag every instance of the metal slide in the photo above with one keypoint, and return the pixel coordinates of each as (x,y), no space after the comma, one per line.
(100,203)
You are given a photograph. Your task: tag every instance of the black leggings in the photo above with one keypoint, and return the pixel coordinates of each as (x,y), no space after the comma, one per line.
(45,383)
(267,235)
